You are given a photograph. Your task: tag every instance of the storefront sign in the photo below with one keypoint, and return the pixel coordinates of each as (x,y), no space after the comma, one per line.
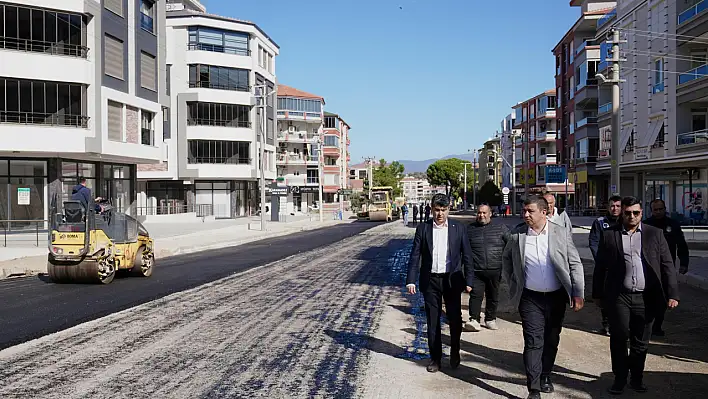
(641,153)
(556,174)
(279,191)
(23,196)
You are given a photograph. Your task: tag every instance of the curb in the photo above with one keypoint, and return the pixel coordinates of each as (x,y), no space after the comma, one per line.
(26,268)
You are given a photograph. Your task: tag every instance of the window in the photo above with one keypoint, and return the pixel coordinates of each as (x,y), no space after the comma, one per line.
(658,76)
(220,41)
(148,75)
(300,104)
(43,103)
(331,141)
(331,122)
(219,152)
(147,15)
(147,128)
(115,121)
(35,30)
(114,6)
(313,176)
(113,62)
(214,114)
(217,77)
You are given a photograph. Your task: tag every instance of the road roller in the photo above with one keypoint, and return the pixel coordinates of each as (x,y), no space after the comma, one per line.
(90,246)
(380,209)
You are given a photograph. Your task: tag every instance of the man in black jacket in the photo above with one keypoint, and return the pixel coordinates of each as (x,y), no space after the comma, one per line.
(487,241)
(614,209)
(634,279)
(677,245)
(441,257)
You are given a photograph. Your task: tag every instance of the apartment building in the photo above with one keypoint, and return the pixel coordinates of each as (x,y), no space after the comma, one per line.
(218,68)
(490,162)
(300,128)
(335,161)
(664,103)
(537,145)
(577,57)
(507,150)
(82,92)
(357,175)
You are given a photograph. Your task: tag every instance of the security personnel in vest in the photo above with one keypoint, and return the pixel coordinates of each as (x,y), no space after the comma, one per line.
(614,210)
(677,245)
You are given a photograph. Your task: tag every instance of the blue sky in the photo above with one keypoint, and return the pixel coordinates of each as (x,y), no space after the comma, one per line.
(428,80)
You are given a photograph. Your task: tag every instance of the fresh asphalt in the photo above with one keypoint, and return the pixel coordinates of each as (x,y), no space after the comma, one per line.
(33,307)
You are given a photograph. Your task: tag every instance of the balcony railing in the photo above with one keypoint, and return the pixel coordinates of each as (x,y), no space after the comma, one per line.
(219,160)
(547,158)
(604,108)
(658,88)
(38,118)
(37,46)
(606,18)
(584,160)
(693,74)
(692,12)
(209,85)
(219,49)
(217,122)
(697,137)
(146,23)
(586,121)
(297,136)
(296,158)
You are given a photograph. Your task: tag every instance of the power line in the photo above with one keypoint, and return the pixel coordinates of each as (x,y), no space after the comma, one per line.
(670,56)
(670,36)
(650,33)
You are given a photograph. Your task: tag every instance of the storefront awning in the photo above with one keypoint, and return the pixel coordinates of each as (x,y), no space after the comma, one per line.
(625,136)
(654,128)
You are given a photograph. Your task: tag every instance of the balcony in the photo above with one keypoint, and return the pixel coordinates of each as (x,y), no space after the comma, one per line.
(299,115)
(297,137)
(585,160)
(219,49)
(546,136)
(216,86)
(331,151)
(606,18)
(590,120)
(549,159)
(692,21)
(690,138)
(38,118)
(586,94)
(295,159)
(37,46)
(692,85)
(693,74)
(604,108)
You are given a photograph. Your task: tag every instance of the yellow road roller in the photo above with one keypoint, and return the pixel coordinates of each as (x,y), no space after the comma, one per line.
(380,209)
(86,246)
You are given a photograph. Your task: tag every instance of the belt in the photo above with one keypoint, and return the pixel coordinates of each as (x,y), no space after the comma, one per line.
(440,274)
(628,291)
(545,293)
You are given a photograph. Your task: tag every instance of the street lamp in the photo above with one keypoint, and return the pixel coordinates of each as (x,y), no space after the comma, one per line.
(262,103)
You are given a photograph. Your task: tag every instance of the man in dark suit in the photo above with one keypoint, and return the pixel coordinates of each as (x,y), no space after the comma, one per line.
(632,274)
(442,250)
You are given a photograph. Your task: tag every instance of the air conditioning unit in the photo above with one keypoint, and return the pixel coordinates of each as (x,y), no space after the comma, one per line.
(291,129)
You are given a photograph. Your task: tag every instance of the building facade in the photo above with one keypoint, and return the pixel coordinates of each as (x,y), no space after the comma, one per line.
(577,59)
(507,150)
(217,69)
(358,174)
(298,161)
(335,161)
(82,93)
(490,162)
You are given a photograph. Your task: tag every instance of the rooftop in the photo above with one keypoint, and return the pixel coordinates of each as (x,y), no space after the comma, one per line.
(287,91)
(189,13)
(595,14)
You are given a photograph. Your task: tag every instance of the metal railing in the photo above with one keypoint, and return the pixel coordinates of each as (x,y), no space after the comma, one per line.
(38,118)
(201,210)
(606,18)
(219,160)
(217,122)
(696,137)
(38,46)
(692,12)
(7,227)
(586,121)
(693,74)
(209,85)
(219,49)
(604,108)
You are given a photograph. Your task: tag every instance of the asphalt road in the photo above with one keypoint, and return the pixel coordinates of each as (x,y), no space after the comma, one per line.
(33,307)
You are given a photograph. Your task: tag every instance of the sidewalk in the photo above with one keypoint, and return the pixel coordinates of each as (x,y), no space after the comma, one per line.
(176,239)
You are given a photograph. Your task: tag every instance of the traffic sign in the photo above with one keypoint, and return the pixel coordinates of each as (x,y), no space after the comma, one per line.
(506,199)
(505,190)
(556,174)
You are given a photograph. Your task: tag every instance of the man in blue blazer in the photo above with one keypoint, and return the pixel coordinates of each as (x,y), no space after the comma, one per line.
(442,258)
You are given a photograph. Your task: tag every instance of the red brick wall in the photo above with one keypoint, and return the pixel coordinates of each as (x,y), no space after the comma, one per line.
(132,125)
(158,167)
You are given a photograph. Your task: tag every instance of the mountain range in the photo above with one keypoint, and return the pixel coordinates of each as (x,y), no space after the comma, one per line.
(422,166)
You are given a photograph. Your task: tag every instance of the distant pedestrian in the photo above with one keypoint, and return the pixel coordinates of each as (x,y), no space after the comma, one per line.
(415,213)
(634,270)
(427,212)
(487,241)
(545,274)
(677,245)
(441,257)
(404,214)
(614,210)
(560,218)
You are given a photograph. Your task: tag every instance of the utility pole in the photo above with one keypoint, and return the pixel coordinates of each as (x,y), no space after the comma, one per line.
(464,191)
(370,173)
(474,178)
(261,97)
(320,162)
(513,173)
(615,170)
(527,156)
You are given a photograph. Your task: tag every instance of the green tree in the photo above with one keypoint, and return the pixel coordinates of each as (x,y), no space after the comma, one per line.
(491,194)
(386,174)
(446,172)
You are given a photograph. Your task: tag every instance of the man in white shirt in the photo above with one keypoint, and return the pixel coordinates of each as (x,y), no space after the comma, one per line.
(560,218)
(442,258)
(545,274)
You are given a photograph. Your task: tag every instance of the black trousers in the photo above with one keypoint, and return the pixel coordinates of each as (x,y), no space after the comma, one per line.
(415,217)
(542,317)
(438,289)
(485,282)
(629,319)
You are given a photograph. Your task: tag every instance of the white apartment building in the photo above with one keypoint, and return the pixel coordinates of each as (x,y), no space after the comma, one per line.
(300,116)
(507,149)
(664,103)
(418,191)
(82,92)
(211,165)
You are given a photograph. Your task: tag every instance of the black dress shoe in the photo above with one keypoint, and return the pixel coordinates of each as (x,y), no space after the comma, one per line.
(637,386)
(617,388)
(454,358)
(433,367)
(534,395)
(546,384)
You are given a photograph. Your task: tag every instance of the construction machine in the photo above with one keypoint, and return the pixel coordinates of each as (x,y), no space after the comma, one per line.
(87,245)
(380,209)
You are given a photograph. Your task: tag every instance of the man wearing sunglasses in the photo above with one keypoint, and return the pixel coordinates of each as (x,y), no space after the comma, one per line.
(634,269)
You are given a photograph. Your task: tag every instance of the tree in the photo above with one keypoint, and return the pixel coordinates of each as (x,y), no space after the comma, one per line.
(446,172)
(490,194)
(386,174)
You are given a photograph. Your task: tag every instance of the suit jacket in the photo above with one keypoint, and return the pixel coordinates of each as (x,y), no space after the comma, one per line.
(562,219)
(659,270)
(562,253)
(461,269)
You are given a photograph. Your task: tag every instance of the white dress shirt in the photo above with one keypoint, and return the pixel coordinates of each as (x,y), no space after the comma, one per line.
(441,252)
(538,269)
